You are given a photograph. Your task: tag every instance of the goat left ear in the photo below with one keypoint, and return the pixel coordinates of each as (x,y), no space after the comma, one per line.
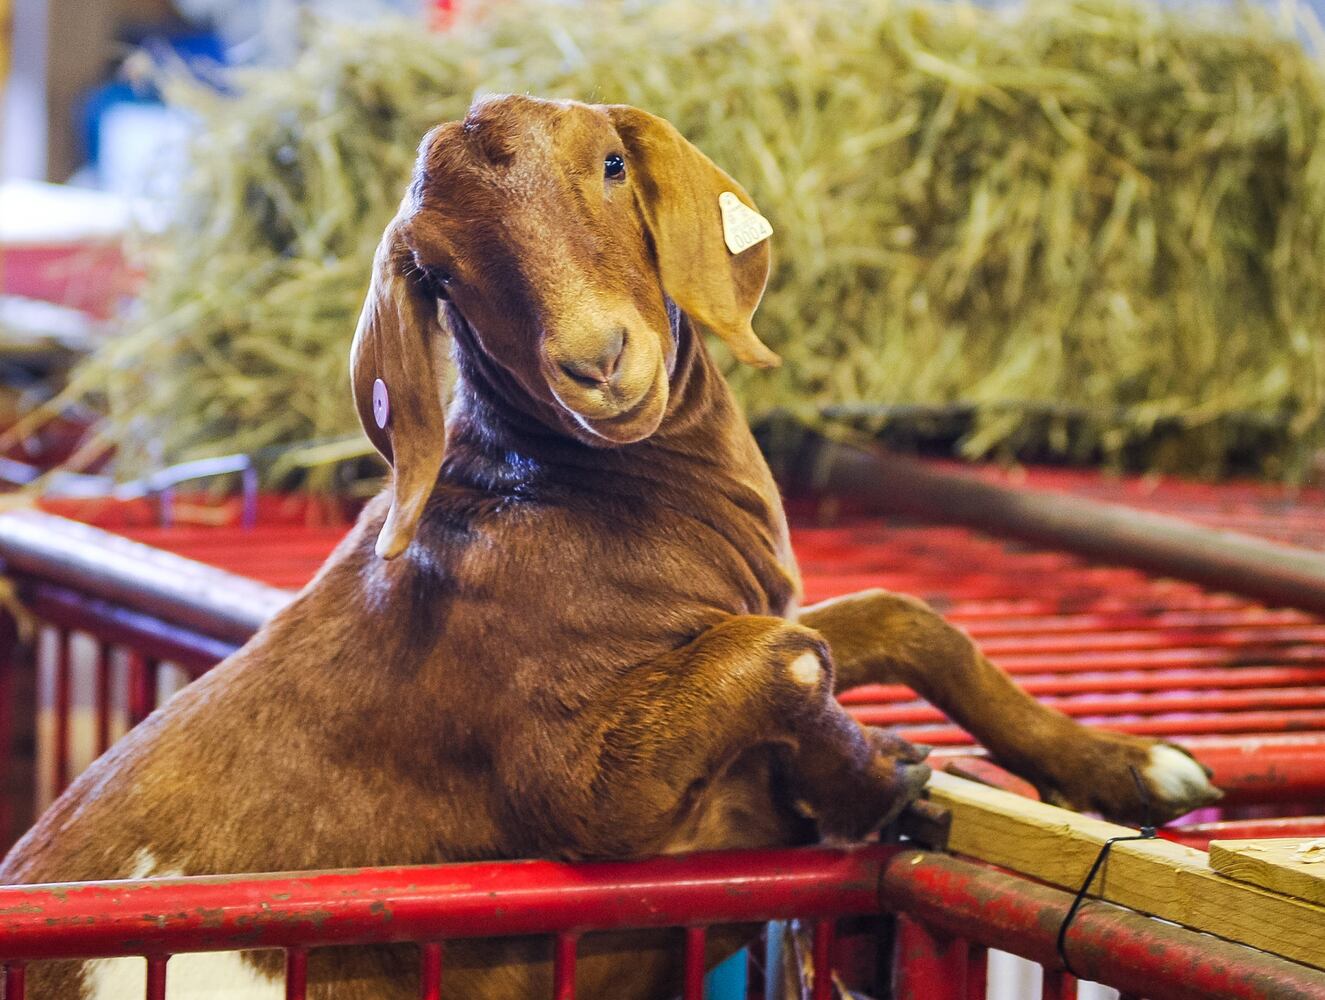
(678,190)
(397,363)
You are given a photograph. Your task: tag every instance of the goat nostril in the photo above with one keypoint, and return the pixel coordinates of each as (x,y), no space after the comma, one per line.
(610,359)
(602,370)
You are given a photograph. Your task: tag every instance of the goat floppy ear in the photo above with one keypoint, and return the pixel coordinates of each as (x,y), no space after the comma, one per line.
(396,371)
(678,190)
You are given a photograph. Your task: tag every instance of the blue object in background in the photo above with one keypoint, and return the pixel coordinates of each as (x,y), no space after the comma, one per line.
(193,50)
(730,980)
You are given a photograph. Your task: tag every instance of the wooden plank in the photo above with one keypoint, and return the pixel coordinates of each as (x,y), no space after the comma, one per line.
(1156,877)
(1271,863)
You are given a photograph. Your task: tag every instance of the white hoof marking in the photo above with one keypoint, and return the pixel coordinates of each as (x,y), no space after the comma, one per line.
(1177,777)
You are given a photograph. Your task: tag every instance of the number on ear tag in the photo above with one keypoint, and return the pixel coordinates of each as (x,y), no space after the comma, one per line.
(742,226)
(381,403)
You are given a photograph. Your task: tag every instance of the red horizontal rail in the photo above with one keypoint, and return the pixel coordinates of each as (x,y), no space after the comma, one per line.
(1122,682)
(109,622)
(429,903)
(1199,835)
(1279,767)
(1257,768)
(1224,723)
(1160,659)
(1158,638)
(1107,944)
(1102,706)
(1155,543)
(1251,617)
(1151,600)
(137,577)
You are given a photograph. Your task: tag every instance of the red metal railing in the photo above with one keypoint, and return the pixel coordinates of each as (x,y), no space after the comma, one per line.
(1109,645)
(431,905)
(950,911)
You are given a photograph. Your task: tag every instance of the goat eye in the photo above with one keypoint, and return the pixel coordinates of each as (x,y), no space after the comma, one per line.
(439,279)
(614,167)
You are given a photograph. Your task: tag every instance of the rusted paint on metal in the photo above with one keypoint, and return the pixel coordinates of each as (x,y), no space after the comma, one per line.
(431,903)
(1108,944)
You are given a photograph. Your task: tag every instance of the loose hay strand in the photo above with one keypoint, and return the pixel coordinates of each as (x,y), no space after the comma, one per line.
(1101,207)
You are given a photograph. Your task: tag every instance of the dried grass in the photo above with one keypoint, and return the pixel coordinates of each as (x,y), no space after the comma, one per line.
(1082,220)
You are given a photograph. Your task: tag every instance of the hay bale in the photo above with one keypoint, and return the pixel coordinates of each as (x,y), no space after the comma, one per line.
(1082,221)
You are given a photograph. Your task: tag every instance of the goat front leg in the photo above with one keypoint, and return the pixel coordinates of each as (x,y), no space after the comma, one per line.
(677,723)
(882,638)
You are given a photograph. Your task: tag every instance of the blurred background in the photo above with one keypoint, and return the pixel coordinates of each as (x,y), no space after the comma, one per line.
(1084,234)
(1077,231)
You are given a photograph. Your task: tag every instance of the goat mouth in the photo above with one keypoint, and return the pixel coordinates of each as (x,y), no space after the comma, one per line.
(633,424)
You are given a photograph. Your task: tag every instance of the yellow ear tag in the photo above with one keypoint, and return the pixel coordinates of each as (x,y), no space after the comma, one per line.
(742,226)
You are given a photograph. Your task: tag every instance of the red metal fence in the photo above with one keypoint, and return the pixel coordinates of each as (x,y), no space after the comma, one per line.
(949,912)
(1237,681)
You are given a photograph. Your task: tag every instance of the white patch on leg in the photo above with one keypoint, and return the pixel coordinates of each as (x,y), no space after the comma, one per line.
(806,669)
(1177,778)
(144,866)
(221,975)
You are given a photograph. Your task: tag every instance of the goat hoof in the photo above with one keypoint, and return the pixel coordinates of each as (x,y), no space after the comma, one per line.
(911,780)
(1134,780)
(889,744)
(1178,782)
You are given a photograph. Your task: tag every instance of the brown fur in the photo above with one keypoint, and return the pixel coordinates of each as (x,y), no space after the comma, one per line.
(579,645)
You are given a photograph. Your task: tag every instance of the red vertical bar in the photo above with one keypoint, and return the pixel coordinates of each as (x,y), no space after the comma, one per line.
(296,973)
(63,642)
(15,981)
(823,961)
(142,687)
(1058,985)
(563,967)
(977,972)
(103,697)
(693,981)
(156,977)
(926,965)
(430,971)
(9,664)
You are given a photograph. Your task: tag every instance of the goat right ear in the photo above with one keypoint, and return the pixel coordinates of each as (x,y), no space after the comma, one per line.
(683,196)
(397,363)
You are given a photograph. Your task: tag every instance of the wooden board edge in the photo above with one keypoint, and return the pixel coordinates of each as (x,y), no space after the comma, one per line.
(1155,877)
(1235,859)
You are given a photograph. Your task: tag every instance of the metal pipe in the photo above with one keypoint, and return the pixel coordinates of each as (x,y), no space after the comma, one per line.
(63,686)
(563,966)
(1157,543)
(430,971)
(1199,835)
(692,978)
(929,965)
(430,903)
(118,626)
(1107,943)
(139,577)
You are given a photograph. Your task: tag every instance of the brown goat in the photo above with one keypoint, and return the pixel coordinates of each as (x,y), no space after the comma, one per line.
(570,628)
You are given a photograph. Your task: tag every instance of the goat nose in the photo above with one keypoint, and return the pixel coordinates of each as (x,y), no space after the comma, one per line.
(599,371)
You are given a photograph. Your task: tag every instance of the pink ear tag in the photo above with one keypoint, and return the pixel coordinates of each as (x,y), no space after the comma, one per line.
(381,403)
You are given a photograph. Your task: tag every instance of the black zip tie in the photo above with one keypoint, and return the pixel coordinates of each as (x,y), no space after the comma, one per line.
(1147,833)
